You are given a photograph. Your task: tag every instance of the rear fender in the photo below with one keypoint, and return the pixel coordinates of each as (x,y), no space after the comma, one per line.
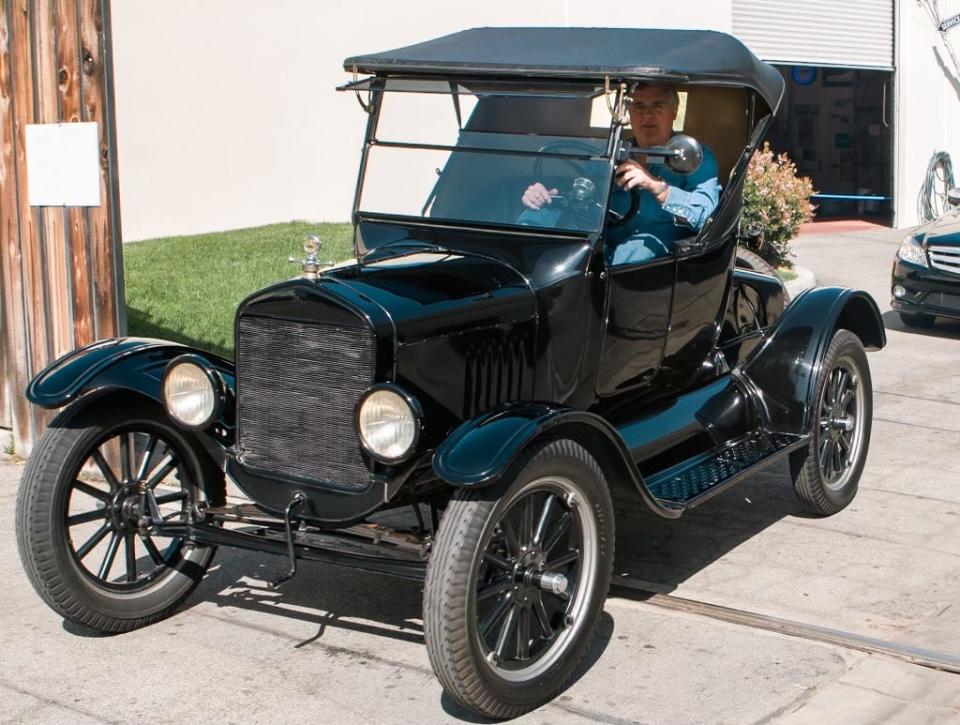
(481,450)
(782,372)
(125,364)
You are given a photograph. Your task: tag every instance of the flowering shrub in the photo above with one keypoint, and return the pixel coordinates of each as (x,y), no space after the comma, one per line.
(778,200)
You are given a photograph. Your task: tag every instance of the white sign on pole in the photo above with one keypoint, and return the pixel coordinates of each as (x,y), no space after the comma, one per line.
(63,164)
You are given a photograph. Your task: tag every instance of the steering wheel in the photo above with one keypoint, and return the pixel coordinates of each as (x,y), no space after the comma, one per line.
(614,218)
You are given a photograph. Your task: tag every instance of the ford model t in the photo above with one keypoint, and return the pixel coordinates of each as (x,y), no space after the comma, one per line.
(545,310)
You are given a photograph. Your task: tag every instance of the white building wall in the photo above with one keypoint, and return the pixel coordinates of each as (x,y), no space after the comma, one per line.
(928,113)
(226,113)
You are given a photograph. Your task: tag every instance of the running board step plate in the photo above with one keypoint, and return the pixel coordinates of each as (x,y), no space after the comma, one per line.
(692,482)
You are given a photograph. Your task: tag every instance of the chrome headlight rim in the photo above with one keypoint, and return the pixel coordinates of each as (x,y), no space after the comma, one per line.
(911,242)
(216,383)
(416,412)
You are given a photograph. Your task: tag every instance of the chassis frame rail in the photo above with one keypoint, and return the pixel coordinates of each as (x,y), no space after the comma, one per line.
(334,548)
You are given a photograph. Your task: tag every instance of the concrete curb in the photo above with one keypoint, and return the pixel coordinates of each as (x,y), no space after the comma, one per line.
(6,438)
(805,279)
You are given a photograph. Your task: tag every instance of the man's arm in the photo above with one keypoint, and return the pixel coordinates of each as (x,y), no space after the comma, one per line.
(694,204)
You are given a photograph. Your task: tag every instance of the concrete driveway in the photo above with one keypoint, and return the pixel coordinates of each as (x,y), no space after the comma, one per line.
(339,646)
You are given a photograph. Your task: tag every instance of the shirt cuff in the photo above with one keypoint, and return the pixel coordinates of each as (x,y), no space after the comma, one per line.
(673,205)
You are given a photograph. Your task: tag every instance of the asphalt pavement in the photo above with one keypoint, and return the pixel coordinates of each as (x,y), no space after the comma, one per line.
(339,646)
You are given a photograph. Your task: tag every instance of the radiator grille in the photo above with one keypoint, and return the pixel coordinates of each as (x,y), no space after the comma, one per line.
(945,300)
(297,387)
(945,258)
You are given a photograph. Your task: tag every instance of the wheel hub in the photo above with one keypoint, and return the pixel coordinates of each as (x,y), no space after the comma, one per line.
(126,508)
(528,566)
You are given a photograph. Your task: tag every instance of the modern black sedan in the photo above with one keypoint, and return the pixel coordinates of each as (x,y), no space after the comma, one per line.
(926,271)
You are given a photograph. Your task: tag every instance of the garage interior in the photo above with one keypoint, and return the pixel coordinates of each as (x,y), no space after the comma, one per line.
(836,124)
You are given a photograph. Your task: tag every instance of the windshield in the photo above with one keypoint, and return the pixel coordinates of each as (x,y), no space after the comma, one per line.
(468,156)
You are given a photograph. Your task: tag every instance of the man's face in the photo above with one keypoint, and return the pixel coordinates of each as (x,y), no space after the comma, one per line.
(652,114)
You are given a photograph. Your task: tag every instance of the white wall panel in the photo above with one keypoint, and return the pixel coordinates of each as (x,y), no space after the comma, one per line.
(818,32)
(227,114)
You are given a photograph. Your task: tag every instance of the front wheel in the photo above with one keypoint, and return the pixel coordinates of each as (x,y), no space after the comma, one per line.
(826,473)
(100,473)
(517,580)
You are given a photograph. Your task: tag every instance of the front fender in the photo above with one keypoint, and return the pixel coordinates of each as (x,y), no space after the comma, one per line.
(126,363)
(783,371)
(479,451)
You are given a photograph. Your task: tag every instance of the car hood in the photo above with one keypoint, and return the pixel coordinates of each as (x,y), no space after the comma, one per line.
(943,232)
(430,293)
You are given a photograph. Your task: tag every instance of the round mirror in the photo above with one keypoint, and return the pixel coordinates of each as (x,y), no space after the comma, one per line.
(686,154)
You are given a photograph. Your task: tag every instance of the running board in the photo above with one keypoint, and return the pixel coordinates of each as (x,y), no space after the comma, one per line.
(692,482)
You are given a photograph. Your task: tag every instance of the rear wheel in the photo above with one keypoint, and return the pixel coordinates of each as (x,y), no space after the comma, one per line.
(517,580)
(755,263)
(100,472)
(826,473)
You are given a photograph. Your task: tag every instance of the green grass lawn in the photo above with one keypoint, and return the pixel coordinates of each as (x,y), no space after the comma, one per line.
(187,288)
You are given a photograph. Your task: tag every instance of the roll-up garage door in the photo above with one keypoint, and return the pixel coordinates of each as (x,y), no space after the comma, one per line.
(818,32)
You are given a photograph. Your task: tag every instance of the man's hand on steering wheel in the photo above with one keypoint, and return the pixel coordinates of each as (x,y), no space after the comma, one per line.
(631,174)
(537,195)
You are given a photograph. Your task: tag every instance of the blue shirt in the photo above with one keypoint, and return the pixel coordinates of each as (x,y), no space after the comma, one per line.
(691,199)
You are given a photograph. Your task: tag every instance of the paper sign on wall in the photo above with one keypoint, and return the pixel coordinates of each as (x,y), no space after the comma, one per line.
(63,165)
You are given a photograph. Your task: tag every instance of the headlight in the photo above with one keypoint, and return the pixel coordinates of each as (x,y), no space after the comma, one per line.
(389,423)
(912,251)
(191,392)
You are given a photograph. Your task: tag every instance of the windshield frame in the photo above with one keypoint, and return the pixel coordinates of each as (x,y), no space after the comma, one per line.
(375,89)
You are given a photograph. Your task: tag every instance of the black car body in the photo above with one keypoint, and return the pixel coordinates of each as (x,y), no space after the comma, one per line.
(526,376)
(925,281)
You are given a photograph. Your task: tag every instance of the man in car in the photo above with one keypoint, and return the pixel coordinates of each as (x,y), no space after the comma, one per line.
(672,205)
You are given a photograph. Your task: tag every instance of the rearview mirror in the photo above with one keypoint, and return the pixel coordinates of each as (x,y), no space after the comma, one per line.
(686,154)
(682,154)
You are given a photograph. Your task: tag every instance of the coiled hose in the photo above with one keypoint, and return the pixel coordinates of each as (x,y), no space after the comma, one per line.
(933,193)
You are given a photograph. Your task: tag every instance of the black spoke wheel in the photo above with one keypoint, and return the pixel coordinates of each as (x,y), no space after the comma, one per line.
(517,580)
(98,477)
(827,472)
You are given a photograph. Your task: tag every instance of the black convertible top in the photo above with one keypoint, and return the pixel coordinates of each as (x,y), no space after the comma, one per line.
(680,56)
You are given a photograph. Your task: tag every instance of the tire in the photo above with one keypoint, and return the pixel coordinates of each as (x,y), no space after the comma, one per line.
(479,666)
(916,319)
(827,472)
(755,263)
(59,503)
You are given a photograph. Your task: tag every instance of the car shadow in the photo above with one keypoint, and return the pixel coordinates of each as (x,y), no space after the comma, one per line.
(141,324)
(941,327)
(660,554)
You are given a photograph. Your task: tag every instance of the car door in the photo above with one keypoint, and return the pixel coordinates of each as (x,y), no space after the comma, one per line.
(639,297)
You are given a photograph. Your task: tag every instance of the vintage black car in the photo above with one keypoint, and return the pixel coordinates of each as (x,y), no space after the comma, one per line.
(497,379)
(926,270)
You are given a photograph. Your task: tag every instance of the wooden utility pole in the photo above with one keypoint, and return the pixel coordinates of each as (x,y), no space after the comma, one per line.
(61,281)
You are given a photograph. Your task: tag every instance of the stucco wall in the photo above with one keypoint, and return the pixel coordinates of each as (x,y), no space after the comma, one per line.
(226,111)
(928,114)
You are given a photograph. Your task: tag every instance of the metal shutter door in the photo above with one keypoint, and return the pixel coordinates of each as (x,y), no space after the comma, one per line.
(818,32)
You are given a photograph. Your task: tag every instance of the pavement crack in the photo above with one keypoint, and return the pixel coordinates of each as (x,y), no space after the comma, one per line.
(51,701)
(328,648)
(916,397)
(867,537)
(795,704)
(915,425)
(592,715)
